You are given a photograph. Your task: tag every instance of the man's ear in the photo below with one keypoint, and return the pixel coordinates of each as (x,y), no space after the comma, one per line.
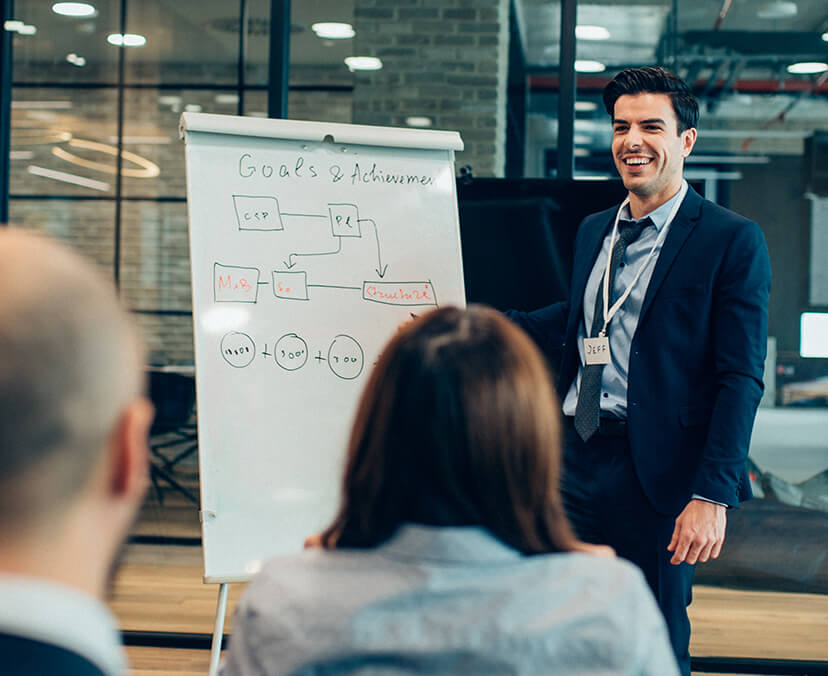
(130,450)
(688,140)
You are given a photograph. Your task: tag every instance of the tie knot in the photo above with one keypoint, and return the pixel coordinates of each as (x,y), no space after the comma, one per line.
(630,230)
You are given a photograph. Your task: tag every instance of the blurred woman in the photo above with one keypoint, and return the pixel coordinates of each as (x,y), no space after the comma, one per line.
(451,553)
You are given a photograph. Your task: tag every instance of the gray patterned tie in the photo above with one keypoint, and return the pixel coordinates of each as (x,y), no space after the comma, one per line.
(588,410)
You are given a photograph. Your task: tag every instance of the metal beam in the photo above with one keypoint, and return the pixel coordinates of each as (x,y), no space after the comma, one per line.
(277,90)
(241,61)
(119,159)
(566,91)
(5,107)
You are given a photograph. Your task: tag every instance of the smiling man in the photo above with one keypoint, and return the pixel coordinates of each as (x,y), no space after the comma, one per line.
(663,342)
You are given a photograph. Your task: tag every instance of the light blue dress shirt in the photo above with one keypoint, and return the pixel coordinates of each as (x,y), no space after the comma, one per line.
(622,327)
(448,601)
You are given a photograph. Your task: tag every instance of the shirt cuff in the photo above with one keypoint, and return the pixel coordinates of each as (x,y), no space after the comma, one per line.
(696,496)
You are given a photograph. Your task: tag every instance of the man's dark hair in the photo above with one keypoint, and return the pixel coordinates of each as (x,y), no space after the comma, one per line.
(654,80)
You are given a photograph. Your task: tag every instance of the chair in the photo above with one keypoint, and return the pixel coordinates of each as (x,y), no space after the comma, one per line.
(173,395)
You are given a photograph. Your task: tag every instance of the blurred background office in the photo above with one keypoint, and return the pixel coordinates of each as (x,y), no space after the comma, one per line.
(91,94)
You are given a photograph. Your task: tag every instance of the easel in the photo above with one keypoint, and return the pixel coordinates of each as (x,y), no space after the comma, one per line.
(218,629)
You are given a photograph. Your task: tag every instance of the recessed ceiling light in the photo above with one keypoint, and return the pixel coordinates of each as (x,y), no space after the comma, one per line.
(585,106)
(825,36)
(591,33)
(226,99)
(589,66)
(363,63)
(126,40)
(193,108)
(169,100)
(74,9)
(19,27)
(330,30)
(807,67)
(76,60)
(778,9)
(418,121)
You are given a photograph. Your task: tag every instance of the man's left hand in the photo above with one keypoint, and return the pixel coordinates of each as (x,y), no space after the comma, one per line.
(699,532)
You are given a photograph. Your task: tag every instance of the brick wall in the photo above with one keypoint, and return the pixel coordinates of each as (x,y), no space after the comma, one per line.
(444,59)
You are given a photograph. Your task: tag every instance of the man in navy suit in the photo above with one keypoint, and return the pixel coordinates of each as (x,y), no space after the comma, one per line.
(662,346)
(73,453)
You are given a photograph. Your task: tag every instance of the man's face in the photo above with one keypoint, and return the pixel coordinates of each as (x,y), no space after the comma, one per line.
(647,149)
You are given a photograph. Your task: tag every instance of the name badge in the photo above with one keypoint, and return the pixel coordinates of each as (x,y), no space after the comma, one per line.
(597,350)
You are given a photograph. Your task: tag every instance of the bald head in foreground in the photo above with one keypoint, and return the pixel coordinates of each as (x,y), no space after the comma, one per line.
(74,425)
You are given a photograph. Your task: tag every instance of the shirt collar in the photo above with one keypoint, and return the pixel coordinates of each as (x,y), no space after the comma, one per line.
(461,544)
(660,214)
(49,612)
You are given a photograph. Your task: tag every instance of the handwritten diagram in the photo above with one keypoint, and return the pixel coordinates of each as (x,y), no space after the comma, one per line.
(345,357)
(290,280)
(240,284)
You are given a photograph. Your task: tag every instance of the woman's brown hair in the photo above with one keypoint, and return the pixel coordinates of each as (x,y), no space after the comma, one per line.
(458,425)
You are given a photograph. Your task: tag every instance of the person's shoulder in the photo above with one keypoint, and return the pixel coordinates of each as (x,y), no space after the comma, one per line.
(308,580)
(598,570)
(721,217)
(24,656)
(600,217)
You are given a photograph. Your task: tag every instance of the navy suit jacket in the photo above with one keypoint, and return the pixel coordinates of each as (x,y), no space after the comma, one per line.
(21,656)
(697,356)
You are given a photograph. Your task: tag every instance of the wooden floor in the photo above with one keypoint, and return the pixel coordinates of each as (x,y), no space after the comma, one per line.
(159,589)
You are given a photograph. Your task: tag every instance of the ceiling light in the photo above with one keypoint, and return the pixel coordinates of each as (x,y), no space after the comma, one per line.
(146,168)
(418,121)
(126,40)
(74,9)
(807,67)
(226,99)
(329,30)
(39,105)
(581,140)
(825,36)
(778,9)
(193,108)
(68,178)
(591,33)
(19,27)
(585,106)
(76,60)
(169,100)
(589,66)
(363,63)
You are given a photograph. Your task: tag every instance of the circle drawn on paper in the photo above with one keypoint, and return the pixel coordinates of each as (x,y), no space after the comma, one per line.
(291,352)
(345,357)
(238,349)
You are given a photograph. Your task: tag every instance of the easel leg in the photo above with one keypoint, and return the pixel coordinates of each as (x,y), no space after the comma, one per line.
(218,629)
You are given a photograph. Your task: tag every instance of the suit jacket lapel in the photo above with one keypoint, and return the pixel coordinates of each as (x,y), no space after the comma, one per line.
(592,246)
(681,227)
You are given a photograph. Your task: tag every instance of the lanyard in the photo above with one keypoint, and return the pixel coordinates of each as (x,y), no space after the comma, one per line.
(609,313)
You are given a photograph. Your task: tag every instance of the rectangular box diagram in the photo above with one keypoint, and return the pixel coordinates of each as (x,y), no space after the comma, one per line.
(399,293)
(344,220)
(233,284)
(257,213)
(290,285)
